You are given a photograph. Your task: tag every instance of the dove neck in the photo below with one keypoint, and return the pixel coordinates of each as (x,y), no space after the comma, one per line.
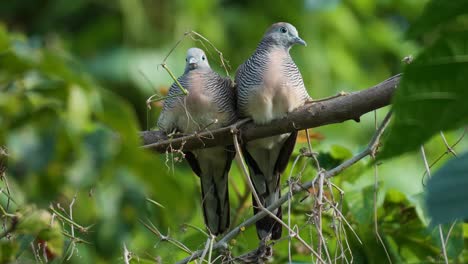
(269,44)
(198,69)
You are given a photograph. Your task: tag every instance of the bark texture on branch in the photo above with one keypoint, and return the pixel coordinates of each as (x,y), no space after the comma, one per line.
(315,114)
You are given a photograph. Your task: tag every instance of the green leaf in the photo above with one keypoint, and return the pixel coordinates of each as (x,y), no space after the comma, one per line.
(40,224)
(340,152)
(446,191)
(8,251)
(431,97)
(78,107)
(118,115)
(334,157)
(360,201)
(30,150)
(4,39)
(435,13)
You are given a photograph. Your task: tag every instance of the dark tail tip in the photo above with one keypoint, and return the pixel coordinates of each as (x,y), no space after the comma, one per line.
(268,225)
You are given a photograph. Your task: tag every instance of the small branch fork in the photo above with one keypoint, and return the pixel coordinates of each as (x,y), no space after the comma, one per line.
(370,150)
(443,241)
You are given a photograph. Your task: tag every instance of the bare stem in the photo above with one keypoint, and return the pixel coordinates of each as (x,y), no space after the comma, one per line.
(449,148)
(182,89)
(442,240)
(167,238)
(126,255)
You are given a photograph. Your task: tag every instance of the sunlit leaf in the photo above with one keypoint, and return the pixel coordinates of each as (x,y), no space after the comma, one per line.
(78,107)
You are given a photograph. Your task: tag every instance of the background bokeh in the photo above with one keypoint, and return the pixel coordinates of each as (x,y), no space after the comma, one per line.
(73,72)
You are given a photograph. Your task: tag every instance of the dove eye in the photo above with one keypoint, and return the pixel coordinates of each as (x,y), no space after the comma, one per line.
(283,30)
(203,57)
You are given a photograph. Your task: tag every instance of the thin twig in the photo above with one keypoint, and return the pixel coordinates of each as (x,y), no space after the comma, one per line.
(167,238)
(245,171)
(338,211)
(69,221)
(376,191)
(126,254)
(340,94)
(210,250)
(371,148)
(465,130)
(290,185)
(165,67)
(450,149)
(182,89)
(426,164)
(196,228)
(318,220)
(376,218)
(72,228)
(155,203)
(206,248)
(442,240)
(450,232)
(71,214)
(224,63)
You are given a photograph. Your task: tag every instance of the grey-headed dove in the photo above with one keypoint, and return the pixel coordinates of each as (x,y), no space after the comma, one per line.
(210,104)
(269,86)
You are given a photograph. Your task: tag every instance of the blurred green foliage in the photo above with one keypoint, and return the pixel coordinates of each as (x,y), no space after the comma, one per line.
(74,78)
(432,92)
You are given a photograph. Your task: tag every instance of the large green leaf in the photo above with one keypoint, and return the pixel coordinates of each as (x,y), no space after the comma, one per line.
(431,97)
(446,191)
(437,12)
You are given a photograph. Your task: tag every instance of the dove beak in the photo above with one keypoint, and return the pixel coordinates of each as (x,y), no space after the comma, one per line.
(298,40)
(192,62)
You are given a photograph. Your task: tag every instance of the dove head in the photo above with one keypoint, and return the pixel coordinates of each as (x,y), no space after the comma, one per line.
(283,34)
(196,59)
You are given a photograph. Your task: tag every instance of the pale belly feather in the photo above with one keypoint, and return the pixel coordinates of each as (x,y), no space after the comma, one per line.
(276,96)
(196,113)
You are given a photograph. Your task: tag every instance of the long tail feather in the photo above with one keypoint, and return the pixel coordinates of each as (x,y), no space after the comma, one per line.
(214,189)
(269,191)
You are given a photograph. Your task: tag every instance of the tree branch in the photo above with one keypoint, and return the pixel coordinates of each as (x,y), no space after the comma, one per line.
(315,114)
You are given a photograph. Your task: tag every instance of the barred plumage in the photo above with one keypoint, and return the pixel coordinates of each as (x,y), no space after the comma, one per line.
(210,104)
(205,83)
(269,85)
